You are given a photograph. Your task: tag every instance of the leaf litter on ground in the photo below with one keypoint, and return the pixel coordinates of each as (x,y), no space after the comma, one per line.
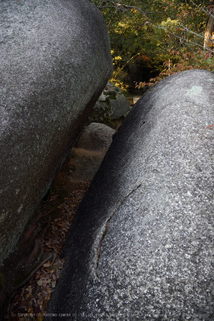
(30,302)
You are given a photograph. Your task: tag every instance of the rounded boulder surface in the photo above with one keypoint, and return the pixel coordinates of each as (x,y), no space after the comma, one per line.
(142,243)
(55,61)
(96,136)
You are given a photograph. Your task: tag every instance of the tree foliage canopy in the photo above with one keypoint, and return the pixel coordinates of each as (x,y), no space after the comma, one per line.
(158,37)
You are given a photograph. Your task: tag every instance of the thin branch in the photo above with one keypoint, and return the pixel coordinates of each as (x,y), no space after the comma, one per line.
(127,63)
(121,7)
(202,9)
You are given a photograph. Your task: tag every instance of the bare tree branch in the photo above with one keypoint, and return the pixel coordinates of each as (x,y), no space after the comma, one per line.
(123,7)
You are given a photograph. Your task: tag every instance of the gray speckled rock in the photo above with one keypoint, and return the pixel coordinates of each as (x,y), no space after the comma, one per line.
(112,104)
(142,245)
(55,61)
(96,136)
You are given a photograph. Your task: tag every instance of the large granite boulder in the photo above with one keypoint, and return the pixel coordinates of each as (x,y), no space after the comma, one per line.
(142,243)
(55,61)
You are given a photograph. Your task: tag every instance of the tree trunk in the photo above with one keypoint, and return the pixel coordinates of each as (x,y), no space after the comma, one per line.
(209,37)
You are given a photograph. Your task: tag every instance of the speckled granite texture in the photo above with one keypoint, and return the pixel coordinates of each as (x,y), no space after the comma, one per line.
(142,245)
(55,61)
